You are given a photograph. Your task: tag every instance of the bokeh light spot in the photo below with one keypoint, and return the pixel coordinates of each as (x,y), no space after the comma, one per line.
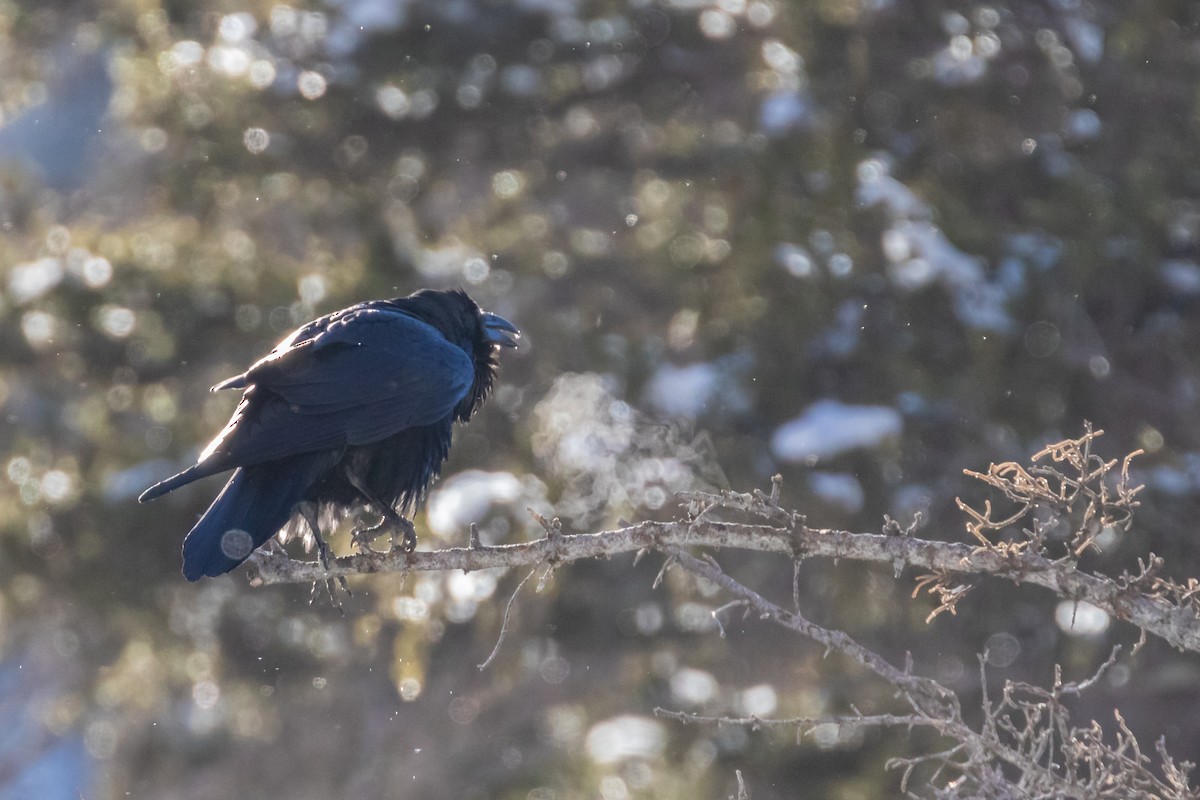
(236,543)
(311,84)
(1080,618)
(256,140)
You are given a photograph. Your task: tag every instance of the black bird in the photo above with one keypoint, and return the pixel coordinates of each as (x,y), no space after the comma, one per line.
(355,407)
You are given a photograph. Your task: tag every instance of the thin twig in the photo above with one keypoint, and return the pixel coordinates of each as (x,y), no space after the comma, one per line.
(716,614)
(743,793)
(504,622)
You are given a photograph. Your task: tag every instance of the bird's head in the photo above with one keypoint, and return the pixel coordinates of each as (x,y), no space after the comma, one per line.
(461,320)
(480,333)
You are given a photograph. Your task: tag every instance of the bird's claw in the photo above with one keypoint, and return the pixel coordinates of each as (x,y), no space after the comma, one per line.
(409,536)
(323,553)
(363,537)
(407,541)
(329,585)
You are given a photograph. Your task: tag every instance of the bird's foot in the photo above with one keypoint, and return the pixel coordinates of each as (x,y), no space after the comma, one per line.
(408,532)
(330,591)
(334,600)
(393,524)
(363,537)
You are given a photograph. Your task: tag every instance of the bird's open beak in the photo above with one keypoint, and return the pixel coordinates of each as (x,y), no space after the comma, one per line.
(500,331)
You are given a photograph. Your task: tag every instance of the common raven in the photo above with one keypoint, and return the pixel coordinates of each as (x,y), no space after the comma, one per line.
(357,406)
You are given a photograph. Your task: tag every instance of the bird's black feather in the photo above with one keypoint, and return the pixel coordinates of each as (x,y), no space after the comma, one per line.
(354,406)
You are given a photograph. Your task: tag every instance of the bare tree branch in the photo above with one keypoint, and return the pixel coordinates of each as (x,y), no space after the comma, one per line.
(1025,744)
(804,724)
(1178,625)
(1028,731)
(927,698)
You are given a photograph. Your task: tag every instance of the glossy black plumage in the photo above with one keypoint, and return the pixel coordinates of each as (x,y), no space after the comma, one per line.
(355,407)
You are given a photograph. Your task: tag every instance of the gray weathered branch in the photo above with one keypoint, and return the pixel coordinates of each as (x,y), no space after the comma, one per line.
(928,699)
(1027,731)
(1175,624)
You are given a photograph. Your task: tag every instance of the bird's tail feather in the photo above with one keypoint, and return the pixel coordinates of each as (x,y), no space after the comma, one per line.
(192,473)
(255,503)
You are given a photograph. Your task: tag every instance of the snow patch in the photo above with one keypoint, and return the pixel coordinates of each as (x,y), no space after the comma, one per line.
(468,497)
(839,489)
(920,254)
(828,428)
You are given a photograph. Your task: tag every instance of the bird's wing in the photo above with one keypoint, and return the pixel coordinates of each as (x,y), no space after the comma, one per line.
(365,376)
(302,337)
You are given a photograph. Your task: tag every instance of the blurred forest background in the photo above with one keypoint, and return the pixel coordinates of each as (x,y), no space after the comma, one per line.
(864,243)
